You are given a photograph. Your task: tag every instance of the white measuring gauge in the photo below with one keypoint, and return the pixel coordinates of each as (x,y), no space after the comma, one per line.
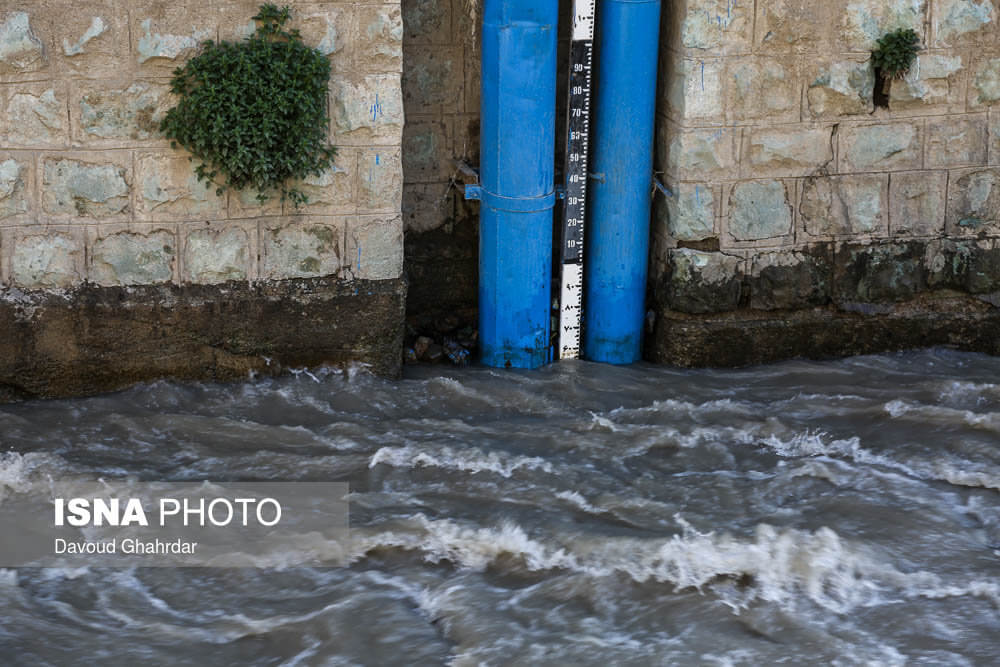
(575,206)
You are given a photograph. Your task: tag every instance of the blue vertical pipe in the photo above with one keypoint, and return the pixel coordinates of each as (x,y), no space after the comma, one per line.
(618,231)
(517,155)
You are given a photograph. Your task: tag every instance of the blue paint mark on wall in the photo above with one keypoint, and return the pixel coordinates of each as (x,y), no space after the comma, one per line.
(376,109)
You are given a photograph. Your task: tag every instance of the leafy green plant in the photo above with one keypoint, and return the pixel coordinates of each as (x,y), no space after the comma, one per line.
(254,113)
(895,53)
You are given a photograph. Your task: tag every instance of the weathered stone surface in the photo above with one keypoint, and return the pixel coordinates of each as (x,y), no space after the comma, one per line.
(844,205)
(702,282)
(434,79)
(13,187)
(169,189)
(368,112)
(333,192)
(50,260)
(703,154)
(213,256)
(759,210)
(985,82)
(427,206)
(882,147)
(122,114)
(21,50)
(380,46)
(957,142)
(303,249)
(917,202)
(864,21)
(789,152)
(36,116)
(375,248)
(76,188)
(691,212)
(105,338)
(442,265)
(971,265)
(974,201)
(791,279)
(762,88)
(878,273)
(994,151)
(427,22)
(380,181)
(96,28)
(426,151)
(796,26)
(934,84)
(984,269)
(695,91)
(132,258)
(748,337)
(718,26)
(960,22)
(841,88)
(328,29)
(152,45)
(91,38)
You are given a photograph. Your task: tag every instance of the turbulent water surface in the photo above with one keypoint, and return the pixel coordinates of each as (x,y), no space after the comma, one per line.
(843,512)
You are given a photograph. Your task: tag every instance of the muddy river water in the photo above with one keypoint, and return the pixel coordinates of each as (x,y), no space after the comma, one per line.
(840,512)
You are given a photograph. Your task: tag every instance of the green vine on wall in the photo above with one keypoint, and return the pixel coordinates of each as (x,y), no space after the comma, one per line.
(254,113)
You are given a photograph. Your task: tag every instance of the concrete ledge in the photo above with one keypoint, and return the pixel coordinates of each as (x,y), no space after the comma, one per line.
(95,339)
(747,337)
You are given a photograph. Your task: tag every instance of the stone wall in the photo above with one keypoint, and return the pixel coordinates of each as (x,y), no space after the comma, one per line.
(791,191)
(92,196)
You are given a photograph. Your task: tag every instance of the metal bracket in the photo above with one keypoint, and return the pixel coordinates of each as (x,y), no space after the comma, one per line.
(662,188)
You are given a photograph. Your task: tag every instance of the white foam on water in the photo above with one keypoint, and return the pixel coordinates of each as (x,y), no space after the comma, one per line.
(943,415)
(472,460)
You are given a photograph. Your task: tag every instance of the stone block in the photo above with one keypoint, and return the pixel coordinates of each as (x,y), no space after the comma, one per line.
(169,189)
(963,22)
(375,248)
(380,38)
(427,206)
(760,210)
(434,78)
(796,26)
(123,114)
(798,151)
(165,35)
(691,211)
(969,265)
(974,202)
(994,150)
(366,112)
(701,154)
(330,30)
(864,21)
(878,273)
(50,260)
(957,142)
(380,180)
(334,192)
(36,115)
(762,88)
(15,185)
(427,151)
(935,84)
(880,147)
(984,268)
(834,206)
(96,185)
(719,27)
(694,91)
(91,39)
(21,49)
(303,248)
(917,202)
(790,280)
(135,255)
(841,88)
(427,22)
(985,82)
(219,252)
(702,282)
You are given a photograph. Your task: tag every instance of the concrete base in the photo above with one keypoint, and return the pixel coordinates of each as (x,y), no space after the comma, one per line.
(746,337)
(96,339)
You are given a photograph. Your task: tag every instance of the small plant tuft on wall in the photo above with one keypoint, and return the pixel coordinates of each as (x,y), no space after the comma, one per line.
(892,58)
(254,113)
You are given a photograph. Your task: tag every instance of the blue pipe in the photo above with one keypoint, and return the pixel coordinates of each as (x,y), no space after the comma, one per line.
(517,156)
(617,246)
